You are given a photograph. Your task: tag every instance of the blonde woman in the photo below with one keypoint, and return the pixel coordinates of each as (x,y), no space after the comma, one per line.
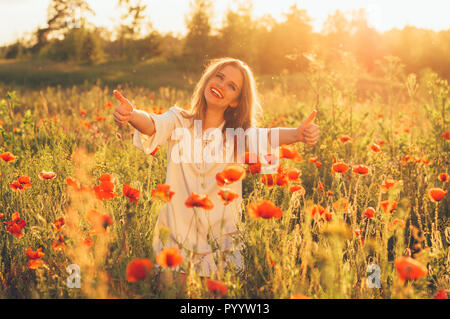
(224,98)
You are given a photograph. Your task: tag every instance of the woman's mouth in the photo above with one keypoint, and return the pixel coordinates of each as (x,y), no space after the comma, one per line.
(216,92)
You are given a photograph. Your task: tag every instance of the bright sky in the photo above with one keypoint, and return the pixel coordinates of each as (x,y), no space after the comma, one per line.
(21,16)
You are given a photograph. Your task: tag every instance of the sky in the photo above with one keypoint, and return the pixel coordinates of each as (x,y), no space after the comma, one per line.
(24,16)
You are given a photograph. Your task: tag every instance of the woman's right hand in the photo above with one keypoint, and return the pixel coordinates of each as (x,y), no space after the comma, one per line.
(122,113)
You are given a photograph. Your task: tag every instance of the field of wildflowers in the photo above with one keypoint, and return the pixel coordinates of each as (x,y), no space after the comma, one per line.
(363,214)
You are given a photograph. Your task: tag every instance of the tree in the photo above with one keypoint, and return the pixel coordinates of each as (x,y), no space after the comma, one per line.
(286,42)
(131,43)
(365,41)
(198,39)
(238,36)
(62,15)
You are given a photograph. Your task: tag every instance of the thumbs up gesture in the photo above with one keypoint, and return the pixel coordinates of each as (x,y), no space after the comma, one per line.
(308,132)
(122,113)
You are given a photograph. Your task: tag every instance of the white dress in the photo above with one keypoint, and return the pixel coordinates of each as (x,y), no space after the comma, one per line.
(191,228)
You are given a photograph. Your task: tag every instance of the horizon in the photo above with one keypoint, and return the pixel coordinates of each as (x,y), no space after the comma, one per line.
(169,16)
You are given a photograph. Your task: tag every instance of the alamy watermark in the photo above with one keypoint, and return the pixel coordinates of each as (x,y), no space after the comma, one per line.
(373,280)
(74,280)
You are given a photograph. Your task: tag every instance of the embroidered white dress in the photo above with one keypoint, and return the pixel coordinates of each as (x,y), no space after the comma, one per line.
(190,228)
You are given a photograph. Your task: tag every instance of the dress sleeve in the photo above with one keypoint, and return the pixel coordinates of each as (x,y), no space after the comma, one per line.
(164,125)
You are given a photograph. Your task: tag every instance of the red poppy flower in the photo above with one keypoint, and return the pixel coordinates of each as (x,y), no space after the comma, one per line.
(25,181)
(34,258)
(216,287)
(197,200)
(444,177)
(267,179)
(436,194)
(138,269)
(290,152)
(72,182)
(99,118)
(388,183)
(281,179)
(406,159)
(345,139)
(1,215)
(339,167)
(75,185)
(409,268)
(83,112)
(16,186)
(163,192)
(357,232)
(317,209)
(229,175)
(328,216)
(98,221)
(58,224)
(106,188)
(254,168)
(250,158)
(424,161)
(320,186)
(341,204)
(16,225)
(446,135)
(265,209)
(375,147)
(293,173)
(85,124)
(106,178)
(7,157)
(313,159)
(396,222)
(270,260)
(318,164)
(108,105)
(47,175)
(131,193)
(442,294)
(59,244)
(155,150)
(369,212)
(270,159)
(87,241)
(35,263)
(361,169)
(34,254)
(169,257)
(388,206)
(297,188)
(227,195)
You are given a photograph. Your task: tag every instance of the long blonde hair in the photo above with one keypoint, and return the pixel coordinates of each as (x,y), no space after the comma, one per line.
(247,112)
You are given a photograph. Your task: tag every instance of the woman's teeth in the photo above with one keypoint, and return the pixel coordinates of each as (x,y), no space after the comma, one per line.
(216,92)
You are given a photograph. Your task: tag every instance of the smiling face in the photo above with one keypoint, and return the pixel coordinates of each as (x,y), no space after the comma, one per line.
(224,88)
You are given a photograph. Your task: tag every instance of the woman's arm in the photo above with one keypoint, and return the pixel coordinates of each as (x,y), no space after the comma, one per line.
(307,132)
(125,112)
(143,122)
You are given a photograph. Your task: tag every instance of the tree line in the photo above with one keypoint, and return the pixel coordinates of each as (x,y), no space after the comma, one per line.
(269,46)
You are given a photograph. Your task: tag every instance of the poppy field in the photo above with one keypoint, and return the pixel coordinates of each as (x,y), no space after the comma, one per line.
(363,214)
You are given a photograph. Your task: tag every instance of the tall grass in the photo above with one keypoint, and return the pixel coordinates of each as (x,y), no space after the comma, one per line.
(300,254)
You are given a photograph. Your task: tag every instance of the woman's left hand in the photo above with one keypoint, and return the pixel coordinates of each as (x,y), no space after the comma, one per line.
(308,132)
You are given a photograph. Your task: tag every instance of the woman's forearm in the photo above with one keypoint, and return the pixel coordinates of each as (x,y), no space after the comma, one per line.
(143,122)
(288,135)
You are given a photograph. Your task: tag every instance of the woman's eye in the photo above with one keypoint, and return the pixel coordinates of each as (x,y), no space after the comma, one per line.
(232,87)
